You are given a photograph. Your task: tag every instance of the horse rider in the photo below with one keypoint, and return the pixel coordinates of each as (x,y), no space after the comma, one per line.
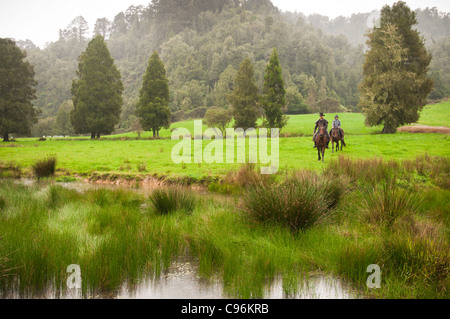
(337,125)
(324,123)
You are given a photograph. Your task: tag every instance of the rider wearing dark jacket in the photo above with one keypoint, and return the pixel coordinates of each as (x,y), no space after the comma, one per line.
(324,123)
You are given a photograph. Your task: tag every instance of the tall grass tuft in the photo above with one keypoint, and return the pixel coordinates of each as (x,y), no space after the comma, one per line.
(171,199)
(45,167)
(385,203)
(297,202)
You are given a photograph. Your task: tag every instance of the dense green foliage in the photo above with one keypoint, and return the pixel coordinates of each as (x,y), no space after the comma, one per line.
(396,85)
(273,98)
(97,93)
(17,90)
(244,98)
(152,108)
(218,118)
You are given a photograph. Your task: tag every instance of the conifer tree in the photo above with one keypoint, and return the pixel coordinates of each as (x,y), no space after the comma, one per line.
(97,93)
(153,105)
(273,99)
(17,90)
(396,85)
(244,98)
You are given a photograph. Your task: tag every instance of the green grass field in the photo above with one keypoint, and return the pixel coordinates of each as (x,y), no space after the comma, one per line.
(117,155)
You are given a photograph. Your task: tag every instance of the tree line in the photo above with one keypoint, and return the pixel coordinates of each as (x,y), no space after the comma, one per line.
(202,44)
(97,93)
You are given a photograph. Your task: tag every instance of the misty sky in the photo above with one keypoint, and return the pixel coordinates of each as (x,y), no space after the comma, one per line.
(40,20)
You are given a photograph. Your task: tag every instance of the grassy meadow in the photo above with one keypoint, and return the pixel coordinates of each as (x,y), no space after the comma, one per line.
(124,155)
(384,200)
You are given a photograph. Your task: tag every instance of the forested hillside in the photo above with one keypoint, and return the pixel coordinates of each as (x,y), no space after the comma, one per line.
(202,43)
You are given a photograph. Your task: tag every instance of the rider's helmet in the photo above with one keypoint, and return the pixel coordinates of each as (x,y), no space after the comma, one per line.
(336,117)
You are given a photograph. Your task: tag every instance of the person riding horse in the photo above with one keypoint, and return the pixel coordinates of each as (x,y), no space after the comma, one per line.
(337,125)
(324,123)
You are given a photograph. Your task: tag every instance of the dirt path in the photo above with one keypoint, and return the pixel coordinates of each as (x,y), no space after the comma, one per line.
(425,129)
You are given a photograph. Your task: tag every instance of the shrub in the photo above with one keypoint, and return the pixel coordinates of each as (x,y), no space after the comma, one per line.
(296,203)
(385,203)
(169,200)
(219,118)
(45,167)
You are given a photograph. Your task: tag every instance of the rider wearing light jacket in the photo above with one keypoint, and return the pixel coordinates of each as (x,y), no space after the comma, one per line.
(337,124)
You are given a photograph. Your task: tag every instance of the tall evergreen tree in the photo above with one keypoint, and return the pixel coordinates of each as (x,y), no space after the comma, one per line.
(244,97)
(97,94)
(17,90)
(153,105)
(396,85)
(273,99)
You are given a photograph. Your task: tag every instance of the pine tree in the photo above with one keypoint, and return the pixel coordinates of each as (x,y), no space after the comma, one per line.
(97,94)
(273,99)
(153,105)
(396,85)
(244,97)
(17,90)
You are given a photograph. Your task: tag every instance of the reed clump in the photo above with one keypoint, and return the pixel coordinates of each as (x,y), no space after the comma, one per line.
(172,199)
(45,167)
(301,201)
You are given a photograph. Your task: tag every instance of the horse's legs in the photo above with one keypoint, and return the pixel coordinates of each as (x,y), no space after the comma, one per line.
(318,152)
(323,154)
(332,146)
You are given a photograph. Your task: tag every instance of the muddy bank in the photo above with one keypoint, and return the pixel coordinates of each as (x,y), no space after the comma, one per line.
(425,129)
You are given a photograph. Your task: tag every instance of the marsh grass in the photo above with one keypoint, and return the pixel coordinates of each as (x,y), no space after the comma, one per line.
(114,239)
(44,167)
(296,203)
(171,199)
(387,202)
(302,200)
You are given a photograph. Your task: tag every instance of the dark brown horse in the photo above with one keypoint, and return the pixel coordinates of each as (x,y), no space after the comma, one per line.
(321,142)
(336,138)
